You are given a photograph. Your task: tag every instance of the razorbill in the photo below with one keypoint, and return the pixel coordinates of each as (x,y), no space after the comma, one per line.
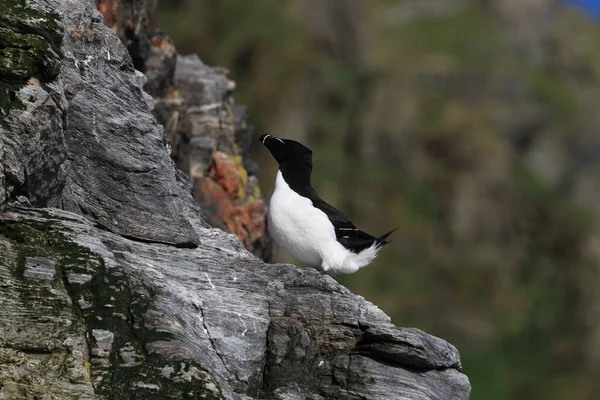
(308,228)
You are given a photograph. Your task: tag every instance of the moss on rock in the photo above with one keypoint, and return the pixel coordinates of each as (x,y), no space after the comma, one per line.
(30,42)
(19,16)
(23,56)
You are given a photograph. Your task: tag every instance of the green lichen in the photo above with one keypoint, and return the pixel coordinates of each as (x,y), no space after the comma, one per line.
(32,350)
(17,15)
(30,42)
(23,56)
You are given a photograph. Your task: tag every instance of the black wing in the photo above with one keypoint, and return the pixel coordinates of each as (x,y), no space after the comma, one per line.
(346,232)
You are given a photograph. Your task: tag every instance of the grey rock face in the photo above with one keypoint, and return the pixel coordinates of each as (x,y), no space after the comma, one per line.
(104,300)
(86,140)
(157,320)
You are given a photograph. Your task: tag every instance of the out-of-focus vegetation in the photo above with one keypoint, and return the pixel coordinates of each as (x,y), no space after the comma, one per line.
(473,126)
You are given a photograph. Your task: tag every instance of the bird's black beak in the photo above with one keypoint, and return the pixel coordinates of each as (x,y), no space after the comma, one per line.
(275,145)
(264,139)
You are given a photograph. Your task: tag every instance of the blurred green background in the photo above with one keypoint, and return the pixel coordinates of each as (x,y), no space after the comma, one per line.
(473,126)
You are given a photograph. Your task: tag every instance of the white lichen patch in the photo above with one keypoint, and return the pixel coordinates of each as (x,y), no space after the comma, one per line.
(167,371)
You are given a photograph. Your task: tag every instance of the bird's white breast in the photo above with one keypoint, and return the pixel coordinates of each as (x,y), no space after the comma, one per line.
(301,229)
(306,233)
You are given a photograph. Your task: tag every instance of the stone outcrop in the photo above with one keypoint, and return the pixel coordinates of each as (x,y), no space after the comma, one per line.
(116,318)
(112,283)
(195,106)
(211,137)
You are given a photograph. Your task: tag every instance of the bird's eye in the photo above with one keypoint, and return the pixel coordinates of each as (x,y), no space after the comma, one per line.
(265,138)
(279,140)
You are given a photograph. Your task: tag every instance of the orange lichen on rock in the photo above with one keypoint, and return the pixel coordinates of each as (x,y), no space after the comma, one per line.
(224,170)
(111,10)
(223,193)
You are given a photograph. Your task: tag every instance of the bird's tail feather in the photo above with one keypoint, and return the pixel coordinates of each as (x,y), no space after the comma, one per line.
(381,240)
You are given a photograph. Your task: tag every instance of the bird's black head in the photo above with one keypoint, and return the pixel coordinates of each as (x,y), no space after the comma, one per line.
(288,153)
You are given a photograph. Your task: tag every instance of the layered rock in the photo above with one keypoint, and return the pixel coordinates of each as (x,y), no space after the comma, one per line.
(116,318)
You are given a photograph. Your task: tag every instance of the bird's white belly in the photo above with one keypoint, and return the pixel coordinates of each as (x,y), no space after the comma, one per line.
(301,229)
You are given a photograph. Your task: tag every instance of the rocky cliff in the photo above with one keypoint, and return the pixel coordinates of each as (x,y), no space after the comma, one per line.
(112,283)
(208,133)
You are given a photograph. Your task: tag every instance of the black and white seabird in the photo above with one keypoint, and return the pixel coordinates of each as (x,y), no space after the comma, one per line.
(308,228)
